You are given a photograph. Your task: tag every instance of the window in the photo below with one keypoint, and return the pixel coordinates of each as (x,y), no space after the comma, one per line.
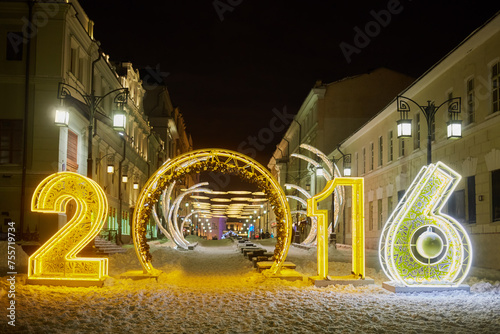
(364,160)
(389,205)
(470,117)
(401,147)
(73,67)
(125,223)
(390,151)
(72,152)
(495,86)
(495,194)
(380,150)
(379,214)
(11,141)
(456,205)
(370,216)
(401,193)
(81,69)
(372,153)
(15,42)
(471,199)
(356,159)
(417,131)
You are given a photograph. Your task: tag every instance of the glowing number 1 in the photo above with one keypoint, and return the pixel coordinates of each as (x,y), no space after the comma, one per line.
(358,234)
(57,258)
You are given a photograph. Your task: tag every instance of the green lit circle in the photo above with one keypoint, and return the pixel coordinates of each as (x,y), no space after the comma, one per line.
(429,244)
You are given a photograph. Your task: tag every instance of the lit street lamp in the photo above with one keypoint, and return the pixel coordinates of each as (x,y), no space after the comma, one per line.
(346,162)
(454,124)
(92,102)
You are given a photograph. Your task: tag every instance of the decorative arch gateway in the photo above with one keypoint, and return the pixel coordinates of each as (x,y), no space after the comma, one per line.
(212,160)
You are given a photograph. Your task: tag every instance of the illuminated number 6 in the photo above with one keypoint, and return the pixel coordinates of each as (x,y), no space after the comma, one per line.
(420,245)
(56,259)
(358,232)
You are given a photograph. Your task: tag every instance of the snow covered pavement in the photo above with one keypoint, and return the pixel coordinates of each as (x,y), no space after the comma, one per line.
(214,289)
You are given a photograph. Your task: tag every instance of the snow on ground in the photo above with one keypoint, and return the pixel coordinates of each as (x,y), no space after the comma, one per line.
(214,289)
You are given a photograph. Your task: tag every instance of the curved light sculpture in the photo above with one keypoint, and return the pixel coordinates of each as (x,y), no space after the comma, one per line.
(165,205)
(326,174)
(338,195)
(339,191)
(298,199)
(309,240)
(172,215)
(420,245)
(207,160)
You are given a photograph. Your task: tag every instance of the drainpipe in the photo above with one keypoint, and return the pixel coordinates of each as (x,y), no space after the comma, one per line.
(25,125)
(120,205)
(92,111)
(147,159)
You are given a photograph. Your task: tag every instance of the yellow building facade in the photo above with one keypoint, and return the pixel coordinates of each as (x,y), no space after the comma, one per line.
(48,47)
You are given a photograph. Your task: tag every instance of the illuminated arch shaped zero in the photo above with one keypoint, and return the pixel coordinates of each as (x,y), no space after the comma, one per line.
(207,160)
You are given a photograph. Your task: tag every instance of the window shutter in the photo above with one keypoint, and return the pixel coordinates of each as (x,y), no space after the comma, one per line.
(72,152)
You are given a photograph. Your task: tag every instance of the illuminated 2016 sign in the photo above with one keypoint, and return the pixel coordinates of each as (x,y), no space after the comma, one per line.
(419,244)
(57,258)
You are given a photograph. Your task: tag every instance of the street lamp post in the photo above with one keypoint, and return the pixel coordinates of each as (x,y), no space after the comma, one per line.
(454,124)
(92,101)
(346,162)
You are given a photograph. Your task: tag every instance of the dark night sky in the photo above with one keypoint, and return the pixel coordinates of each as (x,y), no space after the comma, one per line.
(227,76)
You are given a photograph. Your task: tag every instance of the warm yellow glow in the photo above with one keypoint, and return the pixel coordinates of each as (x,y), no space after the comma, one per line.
(56,259)
(358,234)
(199,197)
(240,199)
(258,200)
(220,200)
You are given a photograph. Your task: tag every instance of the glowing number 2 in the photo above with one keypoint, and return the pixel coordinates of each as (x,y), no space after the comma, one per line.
(56,259)
(358,234)
(421,245)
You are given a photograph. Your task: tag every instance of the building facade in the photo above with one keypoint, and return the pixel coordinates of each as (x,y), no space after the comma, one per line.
(50,61)
(349,102)
(389,164)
